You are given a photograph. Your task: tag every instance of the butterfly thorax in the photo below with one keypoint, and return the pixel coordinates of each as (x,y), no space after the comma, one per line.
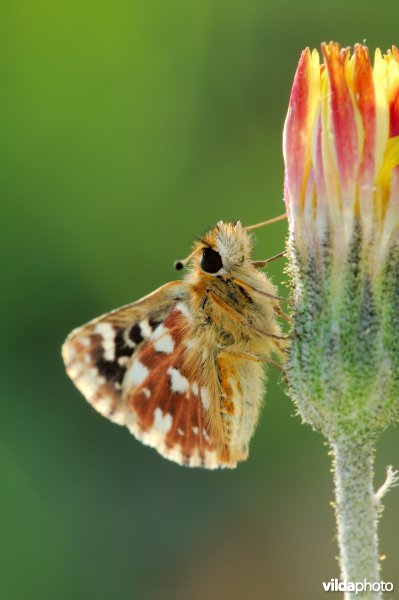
(228,307)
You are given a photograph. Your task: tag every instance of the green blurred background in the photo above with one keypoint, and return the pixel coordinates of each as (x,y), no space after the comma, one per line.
(127,128)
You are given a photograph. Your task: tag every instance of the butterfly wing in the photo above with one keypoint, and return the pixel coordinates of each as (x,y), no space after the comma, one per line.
(167,407)
(130,365)
(97,355)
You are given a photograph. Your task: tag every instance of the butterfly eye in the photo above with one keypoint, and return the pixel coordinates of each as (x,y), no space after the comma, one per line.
(211,261)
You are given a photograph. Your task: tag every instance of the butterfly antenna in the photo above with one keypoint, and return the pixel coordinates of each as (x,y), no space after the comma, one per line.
(180,264)
(264,223)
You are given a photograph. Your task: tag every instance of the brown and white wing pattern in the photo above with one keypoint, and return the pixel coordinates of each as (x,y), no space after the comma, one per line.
(130,365)
(166,407)
(97,355)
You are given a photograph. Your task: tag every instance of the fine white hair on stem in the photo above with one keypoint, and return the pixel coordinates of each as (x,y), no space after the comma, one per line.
(392,480)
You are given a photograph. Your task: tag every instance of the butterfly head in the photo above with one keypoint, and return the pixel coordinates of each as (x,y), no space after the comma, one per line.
(224,249)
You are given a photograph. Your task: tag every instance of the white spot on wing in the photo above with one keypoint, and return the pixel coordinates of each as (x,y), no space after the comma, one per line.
(205,435)
(159,332)
(108,334)
(146,392)
(95,376)
(87,380)
(195,430)
(127,340)
(211,460)
(174,454)
(118,417)
(205,398)
(104,406)
(195,459)
(164,344)
(183,308)
(162,422)
(136,374)
(68,352)
(179,383)
(145,328)
(194,388)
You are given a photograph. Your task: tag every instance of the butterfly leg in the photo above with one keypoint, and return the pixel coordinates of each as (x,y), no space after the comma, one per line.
(237,317)
(251,357)
(263,263)
(282,314)
(250,288)
(254,358)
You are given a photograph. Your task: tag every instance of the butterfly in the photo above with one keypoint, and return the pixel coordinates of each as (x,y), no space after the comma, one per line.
(182,368)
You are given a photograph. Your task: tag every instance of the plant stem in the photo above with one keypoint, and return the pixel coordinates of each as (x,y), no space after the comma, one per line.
(356,513)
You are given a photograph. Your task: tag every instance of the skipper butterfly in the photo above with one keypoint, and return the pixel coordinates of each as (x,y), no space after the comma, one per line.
(182,367)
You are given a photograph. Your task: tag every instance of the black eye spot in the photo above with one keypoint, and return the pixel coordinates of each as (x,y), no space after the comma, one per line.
(211,261)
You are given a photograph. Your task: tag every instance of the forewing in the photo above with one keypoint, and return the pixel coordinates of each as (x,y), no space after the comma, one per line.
(98,354)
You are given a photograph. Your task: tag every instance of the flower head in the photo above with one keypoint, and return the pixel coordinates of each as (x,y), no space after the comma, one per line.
(341,148)
(341,151)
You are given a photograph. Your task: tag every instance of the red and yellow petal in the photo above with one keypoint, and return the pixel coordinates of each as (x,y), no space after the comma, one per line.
(342,120)
(340,145)
(303,104)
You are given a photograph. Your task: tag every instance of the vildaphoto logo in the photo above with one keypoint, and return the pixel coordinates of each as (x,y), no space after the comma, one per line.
(336,585)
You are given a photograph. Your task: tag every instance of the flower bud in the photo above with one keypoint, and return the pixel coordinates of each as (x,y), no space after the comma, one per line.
(341,152)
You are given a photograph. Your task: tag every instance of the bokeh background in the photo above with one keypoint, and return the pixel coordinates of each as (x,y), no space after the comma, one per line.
(127,128)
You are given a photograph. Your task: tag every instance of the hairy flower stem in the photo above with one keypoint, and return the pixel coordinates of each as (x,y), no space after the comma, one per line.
(356,513)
